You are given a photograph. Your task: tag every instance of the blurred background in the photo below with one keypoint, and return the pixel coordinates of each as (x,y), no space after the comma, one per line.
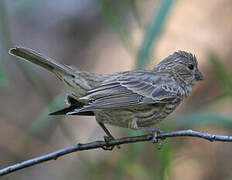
(107,36)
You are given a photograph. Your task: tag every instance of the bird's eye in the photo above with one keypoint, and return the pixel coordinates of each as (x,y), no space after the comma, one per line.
(190,66)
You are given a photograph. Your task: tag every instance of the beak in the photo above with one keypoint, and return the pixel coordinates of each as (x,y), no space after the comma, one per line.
(199,76)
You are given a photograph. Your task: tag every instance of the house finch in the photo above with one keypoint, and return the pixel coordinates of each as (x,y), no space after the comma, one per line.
(131,99)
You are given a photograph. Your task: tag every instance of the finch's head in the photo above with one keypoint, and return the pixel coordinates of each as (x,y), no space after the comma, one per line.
(183,65)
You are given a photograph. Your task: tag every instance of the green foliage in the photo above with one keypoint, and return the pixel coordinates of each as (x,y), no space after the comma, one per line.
(131,5)
(3,77)
(115,19)
(203,118)
(224,76)
(152,32)
(165,159)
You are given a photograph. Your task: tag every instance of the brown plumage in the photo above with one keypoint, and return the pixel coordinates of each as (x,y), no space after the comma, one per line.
(132,99)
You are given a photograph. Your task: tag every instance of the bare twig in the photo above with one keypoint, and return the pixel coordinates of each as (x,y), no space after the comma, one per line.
(102,144)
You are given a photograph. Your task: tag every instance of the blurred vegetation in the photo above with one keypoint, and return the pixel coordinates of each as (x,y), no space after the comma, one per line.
(223,74)
(3,77)
(139,161)
(152,33)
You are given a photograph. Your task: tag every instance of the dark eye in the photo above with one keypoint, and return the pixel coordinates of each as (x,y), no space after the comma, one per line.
(190,66)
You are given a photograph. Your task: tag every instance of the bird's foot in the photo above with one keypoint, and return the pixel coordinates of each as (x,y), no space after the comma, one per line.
(133,125)
(155,132)
(107,139)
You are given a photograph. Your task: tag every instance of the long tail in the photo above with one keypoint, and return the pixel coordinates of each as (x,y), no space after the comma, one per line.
(41,60)
(78,82)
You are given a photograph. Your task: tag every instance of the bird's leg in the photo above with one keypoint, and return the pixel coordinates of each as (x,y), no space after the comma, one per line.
(107,138)
(155,130)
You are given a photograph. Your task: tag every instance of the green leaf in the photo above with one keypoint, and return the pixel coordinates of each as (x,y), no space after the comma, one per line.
(153,32)
(165,158)
(116,21)
(222,72)
(131,4)
(3,78)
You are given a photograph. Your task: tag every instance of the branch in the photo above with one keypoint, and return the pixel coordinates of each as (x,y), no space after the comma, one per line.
(102,144)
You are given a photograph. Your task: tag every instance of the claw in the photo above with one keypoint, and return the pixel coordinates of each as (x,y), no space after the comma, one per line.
(154,138)
(107,139)
(155,131)
(108,148)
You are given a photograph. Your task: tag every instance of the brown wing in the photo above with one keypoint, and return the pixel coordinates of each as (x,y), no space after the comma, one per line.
(130,89)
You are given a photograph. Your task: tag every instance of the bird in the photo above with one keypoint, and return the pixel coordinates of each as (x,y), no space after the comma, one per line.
(136,99)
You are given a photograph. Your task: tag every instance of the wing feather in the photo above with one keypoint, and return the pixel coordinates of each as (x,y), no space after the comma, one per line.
(129,90)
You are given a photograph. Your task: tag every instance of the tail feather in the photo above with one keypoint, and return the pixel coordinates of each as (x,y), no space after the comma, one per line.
(78,82)
(41,60)
(69,109)
(73,104)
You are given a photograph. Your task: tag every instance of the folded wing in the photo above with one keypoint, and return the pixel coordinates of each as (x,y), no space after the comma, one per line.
(129,90)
